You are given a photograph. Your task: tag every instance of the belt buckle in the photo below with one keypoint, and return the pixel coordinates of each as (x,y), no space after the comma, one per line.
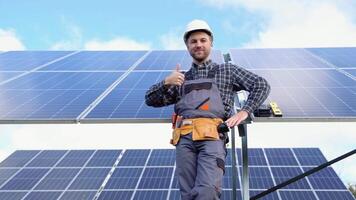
(187,122)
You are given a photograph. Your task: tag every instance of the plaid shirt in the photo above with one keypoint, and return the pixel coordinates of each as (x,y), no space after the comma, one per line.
(229,79)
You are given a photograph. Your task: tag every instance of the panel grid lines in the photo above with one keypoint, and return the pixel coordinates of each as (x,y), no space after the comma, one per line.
(136,179)
(34,186)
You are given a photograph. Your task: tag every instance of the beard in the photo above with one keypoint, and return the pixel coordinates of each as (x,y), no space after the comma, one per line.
(200,56)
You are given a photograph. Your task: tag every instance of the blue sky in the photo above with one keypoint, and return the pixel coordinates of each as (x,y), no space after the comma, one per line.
(116,25)
(40,24)
(110,24)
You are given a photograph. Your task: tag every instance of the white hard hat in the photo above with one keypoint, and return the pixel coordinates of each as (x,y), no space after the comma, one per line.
(196,25)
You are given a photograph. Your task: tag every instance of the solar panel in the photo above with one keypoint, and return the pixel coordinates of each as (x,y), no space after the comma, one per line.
(97,61)
(12,195)
(127,100)
(28,60)
(52,95)
(351,71)
(97,86)
(305,85)
(124,178)
(286,58)
(146,174)
(4,76)
(167,60)
(341,57)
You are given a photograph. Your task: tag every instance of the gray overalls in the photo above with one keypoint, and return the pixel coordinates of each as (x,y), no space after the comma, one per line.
(200,164)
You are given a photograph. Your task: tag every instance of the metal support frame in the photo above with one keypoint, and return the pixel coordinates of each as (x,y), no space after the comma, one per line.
(233,160)
(242,128)
(245,173)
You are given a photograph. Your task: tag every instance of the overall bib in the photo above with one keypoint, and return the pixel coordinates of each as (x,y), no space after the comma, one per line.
(200,149)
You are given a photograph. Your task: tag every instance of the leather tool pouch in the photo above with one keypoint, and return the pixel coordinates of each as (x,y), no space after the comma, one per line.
(205,129)
(177,132)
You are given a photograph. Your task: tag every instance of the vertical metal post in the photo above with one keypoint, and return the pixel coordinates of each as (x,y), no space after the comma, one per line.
(245,177)
(233,160)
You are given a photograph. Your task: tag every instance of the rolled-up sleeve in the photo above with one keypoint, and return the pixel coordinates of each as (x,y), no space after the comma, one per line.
(160,95)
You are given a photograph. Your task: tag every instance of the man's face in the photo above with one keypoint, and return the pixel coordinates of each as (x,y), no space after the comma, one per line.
(199,46)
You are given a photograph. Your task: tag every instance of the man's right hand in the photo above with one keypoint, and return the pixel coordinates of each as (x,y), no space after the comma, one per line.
(175,78)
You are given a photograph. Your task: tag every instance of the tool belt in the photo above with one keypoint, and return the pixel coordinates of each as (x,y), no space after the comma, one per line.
(201,129)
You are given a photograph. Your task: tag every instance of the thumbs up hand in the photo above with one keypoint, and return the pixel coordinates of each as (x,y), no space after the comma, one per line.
(175,78)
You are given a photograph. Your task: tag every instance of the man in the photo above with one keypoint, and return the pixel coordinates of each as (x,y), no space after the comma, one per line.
(204,98)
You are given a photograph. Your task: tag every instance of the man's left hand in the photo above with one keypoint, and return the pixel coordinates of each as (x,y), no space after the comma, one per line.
(236,119)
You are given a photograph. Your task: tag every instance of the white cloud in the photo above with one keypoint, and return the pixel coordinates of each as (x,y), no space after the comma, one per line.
(9,41)
(74,38)
(299,23)
(74,41)
(118,43)
(172,40)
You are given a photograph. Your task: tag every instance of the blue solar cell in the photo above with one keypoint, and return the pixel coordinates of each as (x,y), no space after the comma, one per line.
(27,60)
(311,93)
(43,195)
(271,196)
(301,88)
(127,100)
(167,60)
(280,157)
(255,157)
(156,178)
(71,195)
(228,160)
(136,157)
(260,178)
(157,194)
(19,158)
(309,156)
(4,76)
(97,60)
(296,195)
(57,95)
(282,174)
(12,195)
(275,59)
(47,183)
(124,195)
(325,179)
(57,179)
(124,178)
(175,184)
(227,195)
(351,71)
(174,195)
(5,174)
(90,178)
(75,158)
(162,157)
(343,57)
(104,158)
(332,195)
(46,158)
(25,179)
(227,180)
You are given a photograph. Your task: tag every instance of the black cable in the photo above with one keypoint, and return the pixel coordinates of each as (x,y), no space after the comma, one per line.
(307,173)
